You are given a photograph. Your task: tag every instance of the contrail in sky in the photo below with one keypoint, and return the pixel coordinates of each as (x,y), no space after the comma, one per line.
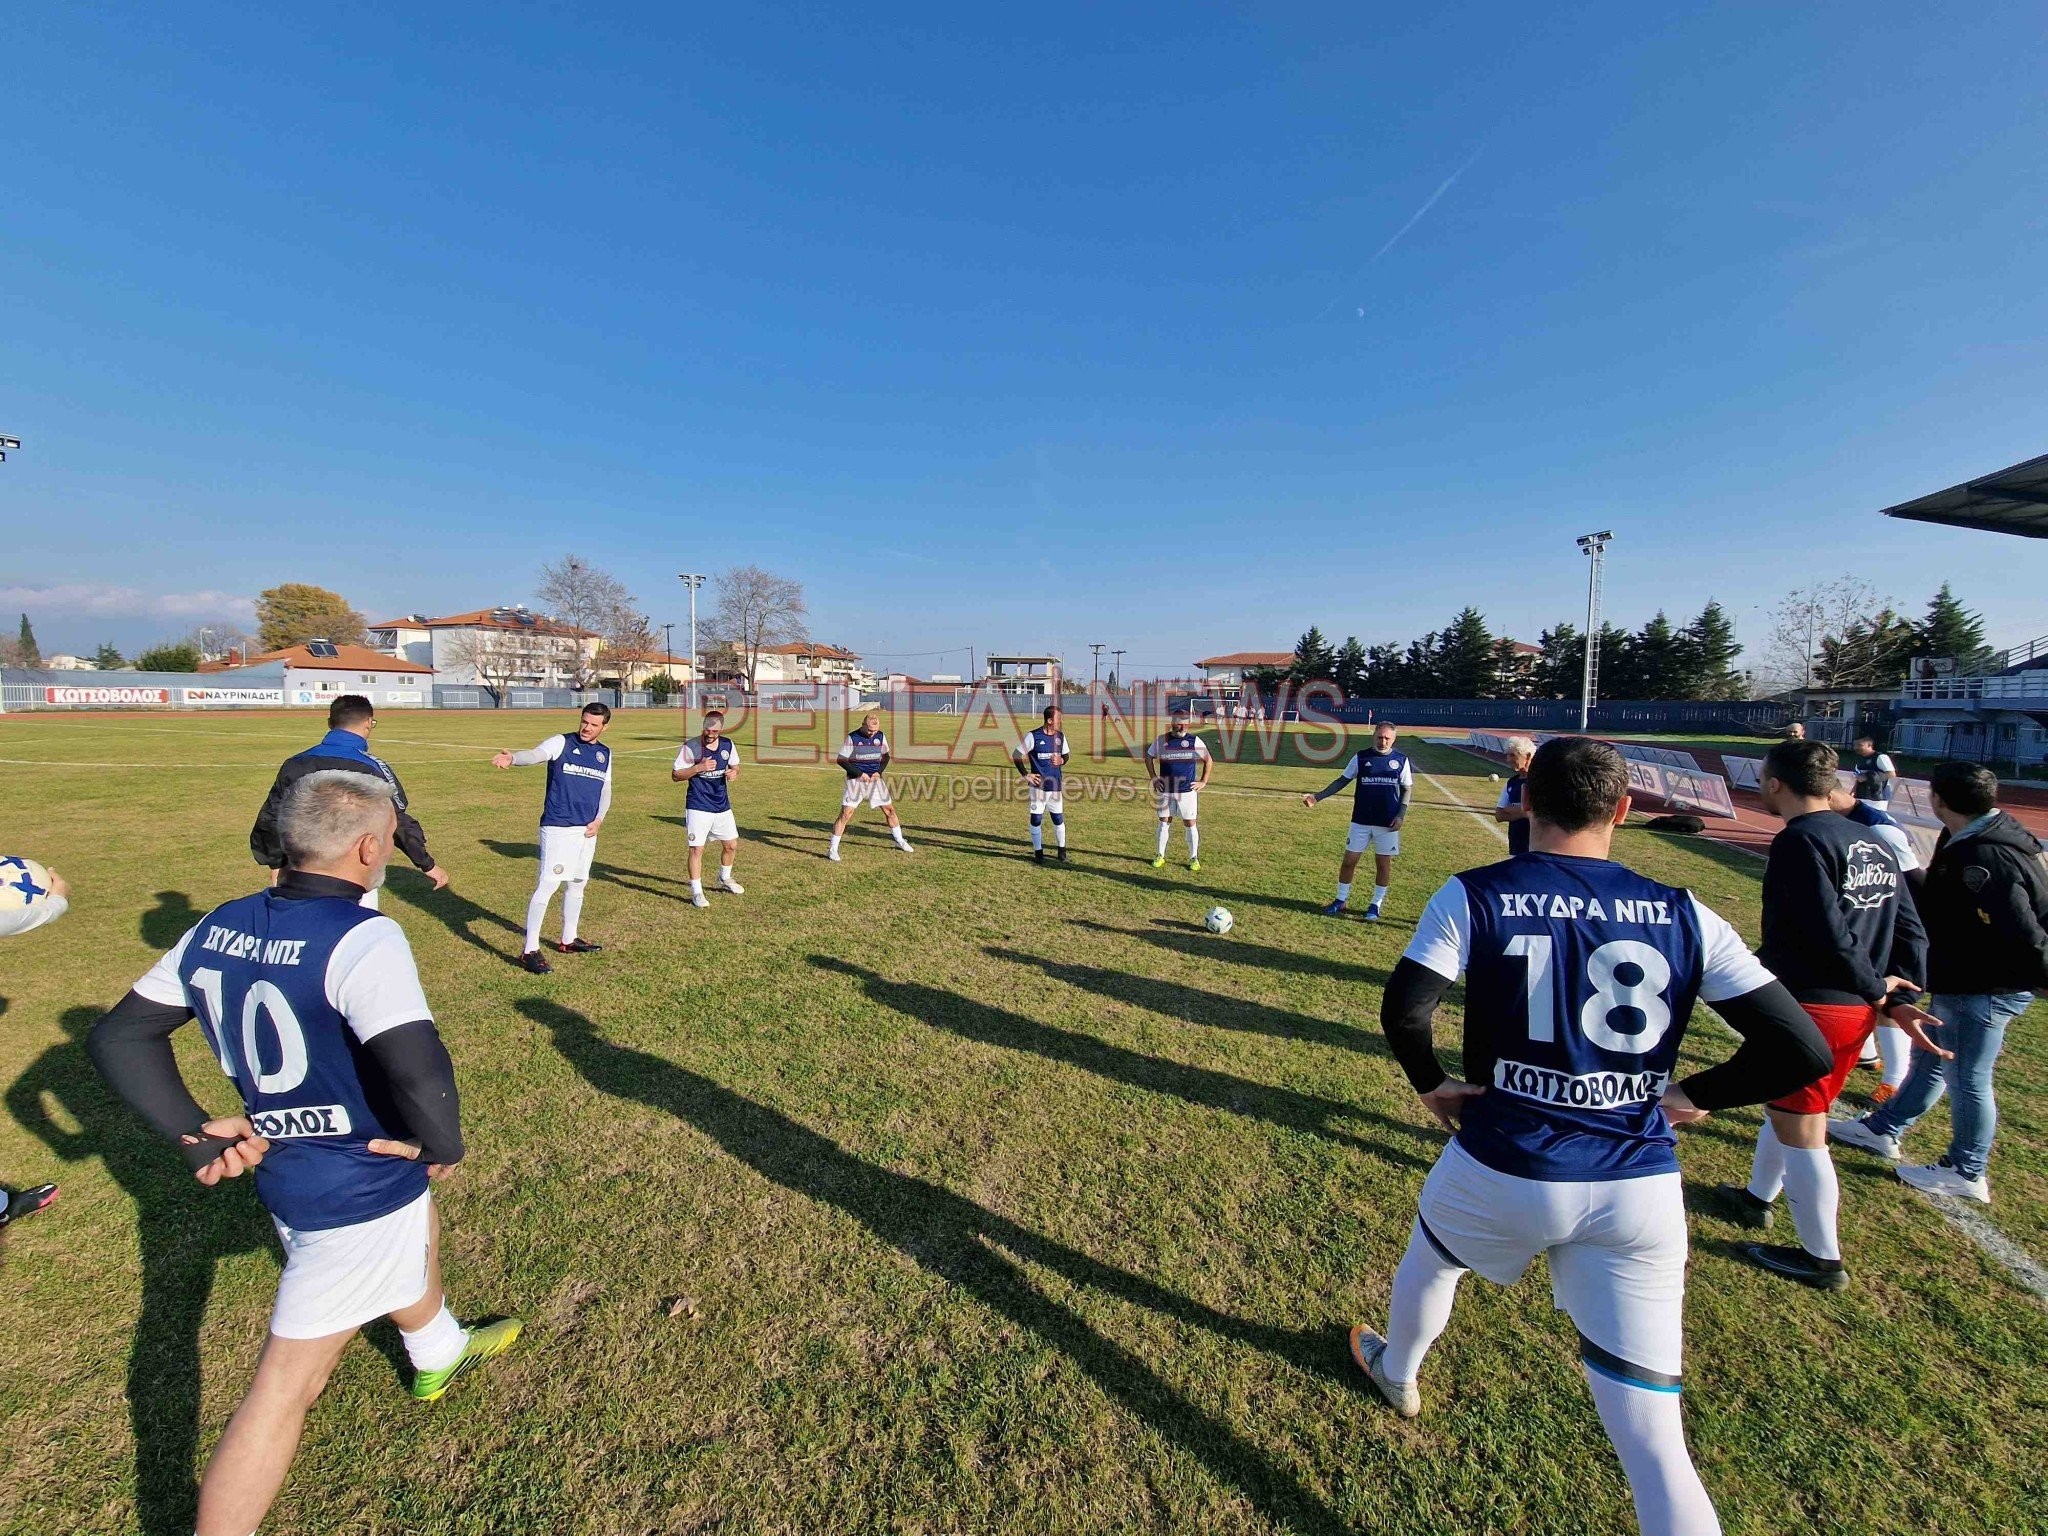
(1416,217)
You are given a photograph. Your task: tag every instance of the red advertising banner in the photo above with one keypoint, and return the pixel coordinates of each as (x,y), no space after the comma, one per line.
(70,695)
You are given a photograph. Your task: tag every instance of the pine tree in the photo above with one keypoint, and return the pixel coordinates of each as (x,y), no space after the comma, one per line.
(1512,672)
(1349,670)
(1315,659)
(108,657)
(1560,668)
(1950,629)
(1710,650)
(1465,657)
(30,655)
(1657,662)
(1421,674)
(1620,675)
(1383,678)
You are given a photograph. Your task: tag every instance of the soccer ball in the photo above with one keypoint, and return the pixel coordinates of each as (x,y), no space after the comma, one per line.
(1219,920)
(25,895)
(1493,778)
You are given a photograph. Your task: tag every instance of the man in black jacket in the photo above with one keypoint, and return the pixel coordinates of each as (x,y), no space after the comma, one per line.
(350,719)
(1985,902)
(1840,930)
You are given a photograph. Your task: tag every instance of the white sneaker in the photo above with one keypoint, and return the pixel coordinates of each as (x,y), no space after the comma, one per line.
(1857,1134)
(906,847)
(832,854)
(1366,1349)
(699,899)
(734,886)
(1941,1179)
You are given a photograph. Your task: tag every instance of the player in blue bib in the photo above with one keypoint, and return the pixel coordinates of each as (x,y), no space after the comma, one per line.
(1512,809)
(1180,764)
(864,755)
(709,765)
(579,796)
(1579,979)
(1041,759)
(312,1005)
(1381,783)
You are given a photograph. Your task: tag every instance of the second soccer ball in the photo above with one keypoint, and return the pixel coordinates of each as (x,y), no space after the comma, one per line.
(1219,920)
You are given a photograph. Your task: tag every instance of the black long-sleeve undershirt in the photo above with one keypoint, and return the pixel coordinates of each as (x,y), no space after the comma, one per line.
(131,1047)
(1781,1049)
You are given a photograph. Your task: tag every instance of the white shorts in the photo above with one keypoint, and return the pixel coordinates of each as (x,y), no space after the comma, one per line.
(1617,1248)
(565,853)
(872,789)
(1042,800)
(345,1277)
(1172,803)
(1364,839)
(701,827)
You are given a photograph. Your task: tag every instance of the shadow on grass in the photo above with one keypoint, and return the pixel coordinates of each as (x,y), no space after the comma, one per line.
(1175,1000)
(169,920)
(185,1231)
(1201,1086)
(1198,943)
(609,874)
(460,916)
(977,1250)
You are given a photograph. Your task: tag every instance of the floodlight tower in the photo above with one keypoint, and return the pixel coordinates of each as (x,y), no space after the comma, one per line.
(7,443)
(693,581)
(1594,547)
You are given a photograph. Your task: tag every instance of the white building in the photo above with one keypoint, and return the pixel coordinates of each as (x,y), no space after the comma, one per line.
(810,661)
(319,671)
(63,663)
(1225,674)
(508,647)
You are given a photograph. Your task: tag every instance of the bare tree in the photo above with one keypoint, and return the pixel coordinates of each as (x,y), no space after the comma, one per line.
(757,609)
(628,641)
(499,657)
(1809,617)
(579,594)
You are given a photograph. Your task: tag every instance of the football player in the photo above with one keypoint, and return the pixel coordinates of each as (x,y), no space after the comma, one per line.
(1041,758)
(579,794)
(1180,764)
(1381,783)
(709,765)
(865,757)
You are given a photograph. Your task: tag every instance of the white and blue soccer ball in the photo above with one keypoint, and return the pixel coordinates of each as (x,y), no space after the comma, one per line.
(27,897)
(1219,920)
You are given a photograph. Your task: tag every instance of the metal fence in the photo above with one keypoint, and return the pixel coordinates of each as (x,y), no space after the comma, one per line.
(451,697)
(260,687)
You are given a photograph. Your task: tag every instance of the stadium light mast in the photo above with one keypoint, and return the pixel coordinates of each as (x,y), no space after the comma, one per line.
(1594,547)
(693,581)
(7,443)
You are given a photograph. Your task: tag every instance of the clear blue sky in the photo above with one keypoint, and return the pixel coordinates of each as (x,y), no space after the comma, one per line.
(1022,326)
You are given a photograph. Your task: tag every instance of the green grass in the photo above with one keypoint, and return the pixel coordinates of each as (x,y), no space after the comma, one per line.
(918,1194)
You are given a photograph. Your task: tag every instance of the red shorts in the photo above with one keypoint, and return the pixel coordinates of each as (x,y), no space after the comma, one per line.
(1845,1026)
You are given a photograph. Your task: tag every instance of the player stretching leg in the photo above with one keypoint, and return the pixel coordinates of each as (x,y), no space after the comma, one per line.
(1841,931)
(708,765)
(865,755)
(1041,758)
(1580,976)
(578,798)
(1381,783)
(313,1006)
(1180,765)
(350,720)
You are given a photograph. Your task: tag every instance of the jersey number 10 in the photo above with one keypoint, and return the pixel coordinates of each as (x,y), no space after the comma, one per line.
(261,998)
(1645,995)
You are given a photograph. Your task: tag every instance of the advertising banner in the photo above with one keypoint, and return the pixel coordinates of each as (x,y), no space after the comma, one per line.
(230,695)
(79,695)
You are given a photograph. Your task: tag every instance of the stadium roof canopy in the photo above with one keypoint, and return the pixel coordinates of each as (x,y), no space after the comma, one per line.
(2013,500)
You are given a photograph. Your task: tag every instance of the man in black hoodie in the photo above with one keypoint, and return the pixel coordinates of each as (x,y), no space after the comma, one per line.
(1985,903)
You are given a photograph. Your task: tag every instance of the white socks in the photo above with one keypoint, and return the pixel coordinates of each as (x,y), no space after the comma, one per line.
(696,887)
(572,908)
(438,1345)
(1379,894)
(1816,1199)
(1895,1052)
(1425,1286)
(1059,830)
(835,845)
(1648,1436)
(1037,835)
(1767,1171)
(1343,890)
(897,833)
(725,878)
(1194,841)
(1165,828)
(537,910)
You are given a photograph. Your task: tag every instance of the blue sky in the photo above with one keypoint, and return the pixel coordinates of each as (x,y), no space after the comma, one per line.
(1019,328)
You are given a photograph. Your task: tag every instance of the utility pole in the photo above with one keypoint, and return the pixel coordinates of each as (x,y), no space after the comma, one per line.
(693,582)
(1117,668)
(1097,646)
(668,653)
(1594,547)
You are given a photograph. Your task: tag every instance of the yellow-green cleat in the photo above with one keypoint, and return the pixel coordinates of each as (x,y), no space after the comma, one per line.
(1160,862)
(1194,866)
(484,1343)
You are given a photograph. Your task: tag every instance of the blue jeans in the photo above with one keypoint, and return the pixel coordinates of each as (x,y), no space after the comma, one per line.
(1973,1026)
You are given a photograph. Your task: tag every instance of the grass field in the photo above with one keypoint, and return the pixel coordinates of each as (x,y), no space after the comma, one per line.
(920,1194)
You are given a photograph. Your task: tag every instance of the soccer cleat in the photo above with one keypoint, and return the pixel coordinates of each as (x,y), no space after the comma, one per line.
(727,883)
(533,960)
(17,1203)
(1038,855)
(483,1344)
(832,854)
(1194,866)
(905,848)
(1372,913)
(1798,1264)
(1943,1178)
(699,899)
(1366,1349)
(1857,1134)
(1160,862)
(1063,853)
(1735,1203)
(579,947)
(1336,908)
